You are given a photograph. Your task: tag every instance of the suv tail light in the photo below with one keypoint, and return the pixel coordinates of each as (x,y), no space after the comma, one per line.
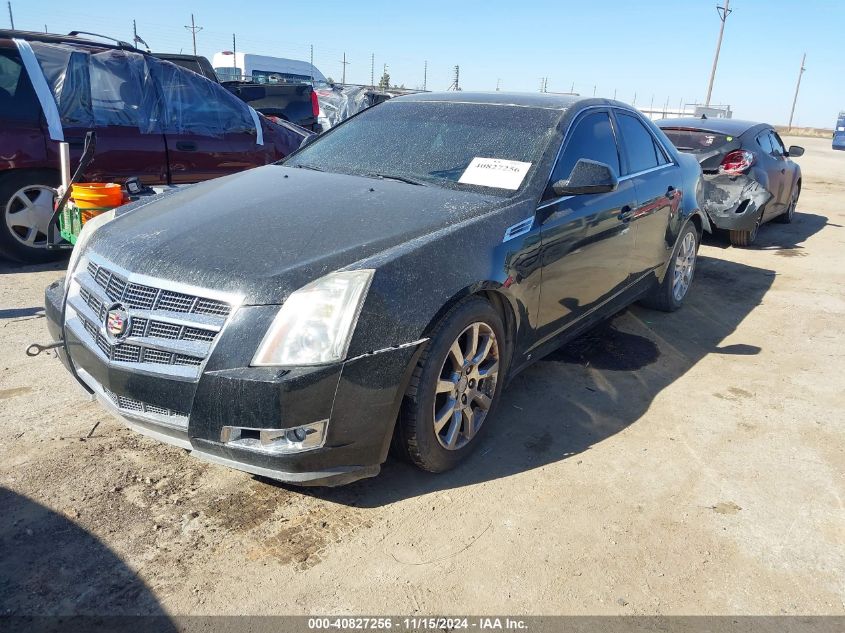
(315,104)
(736,162)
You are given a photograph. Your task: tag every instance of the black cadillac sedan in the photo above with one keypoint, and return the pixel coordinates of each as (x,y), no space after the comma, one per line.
(383,282)
(749,178)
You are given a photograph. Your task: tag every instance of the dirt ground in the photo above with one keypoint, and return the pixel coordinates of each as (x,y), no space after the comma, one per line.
(665,464)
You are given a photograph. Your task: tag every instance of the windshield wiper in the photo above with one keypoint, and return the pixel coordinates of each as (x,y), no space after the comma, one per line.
(407,179)
(309,167)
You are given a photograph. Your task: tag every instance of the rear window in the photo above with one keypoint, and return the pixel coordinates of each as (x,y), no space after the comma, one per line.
(17,98)
(696,140)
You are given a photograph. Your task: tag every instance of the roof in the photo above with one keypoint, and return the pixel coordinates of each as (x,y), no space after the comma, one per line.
(733,127)
(524,99)
(74,37)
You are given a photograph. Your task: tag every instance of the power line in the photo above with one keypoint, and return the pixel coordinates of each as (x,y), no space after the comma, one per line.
(194,29)
(723,12)
(797,86)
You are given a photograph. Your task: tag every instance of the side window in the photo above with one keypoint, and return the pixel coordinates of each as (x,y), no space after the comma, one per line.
(17,98)
(592,138)
(765,142)
(640,147)
(777,145)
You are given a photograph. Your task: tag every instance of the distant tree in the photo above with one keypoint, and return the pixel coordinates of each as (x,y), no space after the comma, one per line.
(384,82)
(329,80)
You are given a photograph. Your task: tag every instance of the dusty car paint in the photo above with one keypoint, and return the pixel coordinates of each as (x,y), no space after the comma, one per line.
(277,228)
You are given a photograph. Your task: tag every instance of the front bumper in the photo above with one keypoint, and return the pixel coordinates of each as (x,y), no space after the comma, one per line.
(360,398)
(733,202)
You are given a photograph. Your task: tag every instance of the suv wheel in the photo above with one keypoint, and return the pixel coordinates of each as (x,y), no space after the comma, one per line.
(26,206)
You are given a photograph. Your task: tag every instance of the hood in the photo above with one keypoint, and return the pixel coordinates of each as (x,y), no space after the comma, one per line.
(265,232)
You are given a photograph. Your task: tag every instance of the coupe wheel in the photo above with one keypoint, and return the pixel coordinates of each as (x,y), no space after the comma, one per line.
(747,238)
(454,388)
(670,294)
(787,216)
(26,204)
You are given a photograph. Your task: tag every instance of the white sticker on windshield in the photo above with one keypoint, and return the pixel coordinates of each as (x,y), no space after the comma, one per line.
(495,172)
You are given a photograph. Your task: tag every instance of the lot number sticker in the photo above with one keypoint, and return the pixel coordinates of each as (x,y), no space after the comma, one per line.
(495,172)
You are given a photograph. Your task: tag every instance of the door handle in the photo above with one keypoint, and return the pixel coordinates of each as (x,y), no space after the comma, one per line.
(186,146)
(625,213)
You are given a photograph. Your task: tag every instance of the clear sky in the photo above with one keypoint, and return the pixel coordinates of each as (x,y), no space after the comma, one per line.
(656,50)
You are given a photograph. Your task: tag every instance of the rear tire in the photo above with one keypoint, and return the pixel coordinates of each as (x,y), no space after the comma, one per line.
(26,204)
(454,388)
(670,294)
(746,238)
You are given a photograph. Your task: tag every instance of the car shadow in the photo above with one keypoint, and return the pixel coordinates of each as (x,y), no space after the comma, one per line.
(8,267)
(594,387)
(55,575)
(779,237)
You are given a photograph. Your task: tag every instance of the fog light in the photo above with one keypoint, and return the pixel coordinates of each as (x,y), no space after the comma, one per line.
(276,441)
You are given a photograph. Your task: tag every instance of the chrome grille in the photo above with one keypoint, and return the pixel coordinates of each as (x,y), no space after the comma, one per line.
(131,404)
(138,296)
(164,330)
(168,326)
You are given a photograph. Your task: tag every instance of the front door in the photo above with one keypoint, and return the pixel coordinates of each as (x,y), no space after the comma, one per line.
(586,240)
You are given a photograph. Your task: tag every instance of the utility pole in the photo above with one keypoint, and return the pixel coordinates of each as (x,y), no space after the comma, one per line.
(345,63)
(11,18)
(194,29)
(235,54)
(136,39)
(498,83)
(425,74)
(797,86)
(456,83)
(373,70)
(723,12)
(312,64)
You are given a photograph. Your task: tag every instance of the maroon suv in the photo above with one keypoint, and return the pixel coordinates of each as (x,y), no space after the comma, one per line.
(154,120)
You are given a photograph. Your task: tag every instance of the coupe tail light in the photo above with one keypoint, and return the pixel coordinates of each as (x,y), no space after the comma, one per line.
(736,162)
(315,104)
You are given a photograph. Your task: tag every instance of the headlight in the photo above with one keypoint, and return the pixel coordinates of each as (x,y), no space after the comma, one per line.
(84,235)
(315,324)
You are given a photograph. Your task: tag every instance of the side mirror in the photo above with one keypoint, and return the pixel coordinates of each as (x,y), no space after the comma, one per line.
(308,140)
(588,176)
(795,151)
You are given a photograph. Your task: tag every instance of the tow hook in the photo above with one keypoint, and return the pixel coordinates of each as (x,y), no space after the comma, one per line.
(35,349)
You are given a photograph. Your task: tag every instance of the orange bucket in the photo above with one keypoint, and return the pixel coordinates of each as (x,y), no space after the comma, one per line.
(97,195)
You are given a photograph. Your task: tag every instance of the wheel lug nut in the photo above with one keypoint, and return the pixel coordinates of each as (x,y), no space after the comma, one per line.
(464,399)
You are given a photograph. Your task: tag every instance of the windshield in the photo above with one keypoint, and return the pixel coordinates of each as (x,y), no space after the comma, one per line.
(453,145)
(696,140)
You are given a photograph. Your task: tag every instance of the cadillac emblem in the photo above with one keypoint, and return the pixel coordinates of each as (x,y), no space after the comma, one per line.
(118,322)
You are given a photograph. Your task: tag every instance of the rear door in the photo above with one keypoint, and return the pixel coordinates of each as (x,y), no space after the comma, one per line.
(21,135)
(586,240)
(104,91)
(658,184)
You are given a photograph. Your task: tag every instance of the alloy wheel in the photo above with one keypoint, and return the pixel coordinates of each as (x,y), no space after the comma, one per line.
(466,386)
(684,266)
(28,213)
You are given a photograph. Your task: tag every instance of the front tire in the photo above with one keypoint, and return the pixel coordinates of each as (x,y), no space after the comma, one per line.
(670,294)
(787,216)
(454,388)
